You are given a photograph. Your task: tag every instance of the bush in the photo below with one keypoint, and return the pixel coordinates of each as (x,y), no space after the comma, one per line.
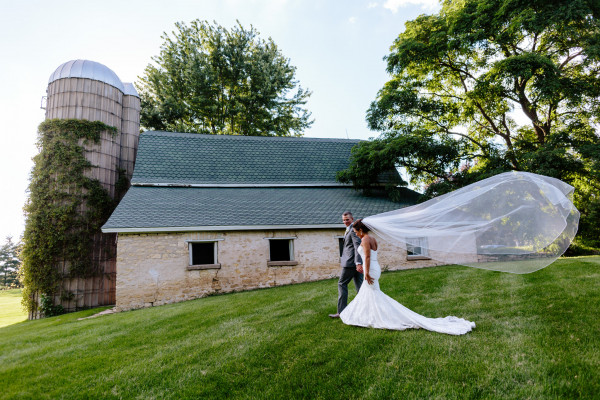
(48,308)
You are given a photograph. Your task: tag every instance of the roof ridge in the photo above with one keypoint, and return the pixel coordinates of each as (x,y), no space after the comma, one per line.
(244,185)
(242,137)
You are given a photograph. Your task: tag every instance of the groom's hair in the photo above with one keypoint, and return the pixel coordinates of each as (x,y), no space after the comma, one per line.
(347,213)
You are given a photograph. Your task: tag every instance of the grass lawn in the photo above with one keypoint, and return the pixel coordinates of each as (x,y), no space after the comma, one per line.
(537,337)
(11,310)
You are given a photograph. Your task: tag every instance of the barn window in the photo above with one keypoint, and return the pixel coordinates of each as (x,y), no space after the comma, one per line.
(416,248)
(341,244)
(281,252)
(203,254)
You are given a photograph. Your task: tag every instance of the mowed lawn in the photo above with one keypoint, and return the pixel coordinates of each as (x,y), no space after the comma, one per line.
(537,337)
(11,310)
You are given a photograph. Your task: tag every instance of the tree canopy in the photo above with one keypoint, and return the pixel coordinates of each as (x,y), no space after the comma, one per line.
(208,79)
(487,86)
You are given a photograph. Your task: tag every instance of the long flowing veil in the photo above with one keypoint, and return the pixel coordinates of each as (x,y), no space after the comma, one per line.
(515,222)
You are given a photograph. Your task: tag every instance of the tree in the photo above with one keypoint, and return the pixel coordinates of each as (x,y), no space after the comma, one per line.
(208,79)
(9,264)
(487,86)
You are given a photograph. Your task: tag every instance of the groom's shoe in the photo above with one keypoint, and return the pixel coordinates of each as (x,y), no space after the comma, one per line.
(334,315)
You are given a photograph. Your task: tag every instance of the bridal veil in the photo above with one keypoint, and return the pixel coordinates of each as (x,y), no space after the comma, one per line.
(515,222)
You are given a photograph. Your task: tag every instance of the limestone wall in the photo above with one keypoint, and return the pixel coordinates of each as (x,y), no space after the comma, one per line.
(153,269)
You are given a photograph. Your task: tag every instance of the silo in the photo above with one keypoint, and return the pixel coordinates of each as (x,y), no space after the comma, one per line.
(83,89)
(130,128)
(88,90)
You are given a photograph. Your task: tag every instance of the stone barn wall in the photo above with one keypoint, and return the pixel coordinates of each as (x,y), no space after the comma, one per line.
(154,268)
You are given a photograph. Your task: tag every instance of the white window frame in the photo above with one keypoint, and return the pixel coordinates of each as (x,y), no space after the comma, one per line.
(291,261)
(340,238)
(422,244)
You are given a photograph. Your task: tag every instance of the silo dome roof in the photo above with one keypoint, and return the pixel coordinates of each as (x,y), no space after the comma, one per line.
(130,90)
(87,69)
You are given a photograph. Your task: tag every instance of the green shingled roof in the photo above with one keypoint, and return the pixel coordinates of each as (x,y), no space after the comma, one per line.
(186,181)
(144,209)
(188,158)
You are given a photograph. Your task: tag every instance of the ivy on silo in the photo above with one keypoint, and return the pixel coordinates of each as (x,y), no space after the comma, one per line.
(56,226)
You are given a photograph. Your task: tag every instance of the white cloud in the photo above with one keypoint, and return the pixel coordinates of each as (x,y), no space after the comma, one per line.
(352,20)
(372,5)
(394,5)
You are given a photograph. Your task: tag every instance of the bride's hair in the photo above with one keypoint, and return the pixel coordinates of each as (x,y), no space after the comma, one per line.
(359,226)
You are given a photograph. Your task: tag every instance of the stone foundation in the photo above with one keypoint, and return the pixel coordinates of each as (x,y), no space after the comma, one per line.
(154,269)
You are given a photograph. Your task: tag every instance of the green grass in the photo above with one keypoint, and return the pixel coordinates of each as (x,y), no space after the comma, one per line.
(537,336)
(11,310)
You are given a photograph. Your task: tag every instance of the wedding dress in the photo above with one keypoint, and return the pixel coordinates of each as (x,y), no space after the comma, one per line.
(373,308)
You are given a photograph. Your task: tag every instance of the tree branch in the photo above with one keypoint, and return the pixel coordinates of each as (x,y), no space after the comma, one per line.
(568,59)
(529,110)
(423,169)
(508,133)
(535,38)
(471,139)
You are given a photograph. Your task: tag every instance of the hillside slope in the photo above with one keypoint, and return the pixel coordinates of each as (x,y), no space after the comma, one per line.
(536,337)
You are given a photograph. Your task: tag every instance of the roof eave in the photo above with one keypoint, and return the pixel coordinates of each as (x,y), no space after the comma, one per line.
(163,229)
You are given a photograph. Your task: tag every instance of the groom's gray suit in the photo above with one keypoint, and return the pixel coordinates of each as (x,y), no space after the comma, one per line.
(350,258)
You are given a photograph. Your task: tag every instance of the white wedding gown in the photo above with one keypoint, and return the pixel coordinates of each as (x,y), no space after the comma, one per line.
(374,309)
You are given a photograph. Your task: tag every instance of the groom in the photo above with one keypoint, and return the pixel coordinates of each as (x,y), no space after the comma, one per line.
(351,264)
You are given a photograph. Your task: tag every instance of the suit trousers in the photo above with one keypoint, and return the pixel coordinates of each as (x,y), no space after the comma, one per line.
(346,276)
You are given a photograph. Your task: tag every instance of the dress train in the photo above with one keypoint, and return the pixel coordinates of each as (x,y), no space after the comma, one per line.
(374,309)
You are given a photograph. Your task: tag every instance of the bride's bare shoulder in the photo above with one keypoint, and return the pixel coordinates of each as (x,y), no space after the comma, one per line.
(373,243)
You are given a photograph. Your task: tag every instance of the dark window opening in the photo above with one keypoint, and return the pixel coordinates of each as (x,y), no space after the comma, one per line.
(279,250)
(341,246)
(203,253)
(413,250)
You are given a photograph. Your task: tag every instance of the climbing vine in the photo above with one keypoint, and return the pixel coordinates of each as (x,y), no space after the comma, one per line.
(65,207)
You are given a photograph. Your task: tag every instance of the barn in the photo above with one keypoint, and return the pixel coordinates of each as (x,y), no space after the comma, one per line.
(210,214)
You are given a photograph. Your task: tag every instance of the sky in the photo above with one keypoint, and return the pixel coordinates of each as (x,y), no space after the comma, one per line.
(337,47)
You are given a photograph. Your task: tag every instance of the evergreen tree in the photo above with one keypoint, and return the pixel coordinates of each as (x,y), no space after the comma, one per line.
(9,264)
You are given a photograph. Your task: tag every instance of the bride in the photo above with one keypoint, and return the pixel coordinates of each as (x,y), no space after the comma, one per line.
(516,222)
(373,308)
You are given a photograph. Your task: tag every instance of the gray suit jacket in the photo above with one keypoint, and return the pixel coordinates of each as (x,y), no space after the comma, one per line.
(350,256)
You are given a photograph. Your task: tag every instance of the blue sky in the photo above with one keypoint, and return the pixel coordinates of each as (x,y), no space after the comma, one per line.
(337,46)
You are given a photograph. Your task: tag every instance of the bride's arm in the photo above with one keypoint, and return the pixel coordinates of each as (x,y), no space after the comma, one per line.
(366,244)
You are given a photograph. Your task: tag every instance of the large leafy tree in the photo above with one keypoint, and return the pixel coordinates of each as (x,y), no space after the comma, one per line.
(487,86)
(208,79)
